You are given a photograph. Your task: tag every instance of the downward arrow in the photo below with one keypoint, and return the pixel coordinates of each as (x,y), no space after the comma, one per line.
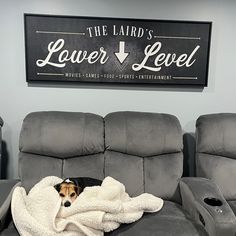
(121,55)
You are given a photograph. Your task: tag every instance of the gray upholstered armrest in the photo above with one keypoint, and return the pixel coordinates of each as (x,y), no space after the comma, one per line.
(6,190)
(218,218)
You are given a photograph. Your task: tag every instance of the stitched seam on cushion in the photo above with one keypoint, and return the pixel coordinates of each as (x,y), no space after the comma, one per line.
(126,133)
(155,155)
(95,153)
(62,168)
(144,182)
(63,158)
(84,118)
(212,154)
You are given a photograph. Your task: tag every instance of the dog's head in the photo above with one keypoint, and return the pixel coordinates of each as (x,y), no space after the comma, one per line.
(68,191)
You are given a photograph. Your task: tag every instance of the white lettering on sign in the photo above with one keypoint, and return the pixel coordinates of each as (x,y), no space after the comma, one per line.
(120,30)
(164,59)
(97,31)
(132,31)
(74,57)
(78,56)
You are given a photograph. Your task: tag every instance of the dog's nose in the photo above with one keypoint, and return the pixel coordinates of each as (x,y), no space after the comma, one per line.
(67,204)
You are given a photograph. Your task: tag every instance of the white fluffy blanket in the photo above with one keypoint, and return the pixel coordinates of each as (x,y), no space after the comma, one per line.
(96,210)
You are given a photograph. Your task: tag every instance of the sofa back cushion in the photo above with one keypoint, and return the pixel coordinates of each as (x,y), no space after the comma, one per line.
(144,151)
(216,150)
(62,134)
(65,144)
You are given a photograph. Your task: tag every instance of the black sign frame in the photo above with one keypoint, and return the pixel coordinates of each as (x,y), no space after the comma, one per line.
(158,58)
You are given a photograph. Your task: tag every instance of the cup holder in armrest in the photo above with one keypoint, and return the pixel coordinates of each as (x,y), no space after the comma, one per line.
(213,201)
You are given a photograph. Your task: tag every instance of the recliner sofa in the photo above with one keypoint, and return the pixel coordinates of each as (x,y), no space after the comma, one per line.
(141,150)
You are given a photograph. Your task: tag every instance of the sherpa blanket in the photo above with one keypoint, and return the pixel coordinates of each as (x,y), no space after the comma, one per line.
(96,210)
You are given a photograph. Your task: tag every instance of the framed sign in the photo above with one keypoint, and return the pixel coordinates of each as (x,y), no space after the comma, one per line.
(110,50)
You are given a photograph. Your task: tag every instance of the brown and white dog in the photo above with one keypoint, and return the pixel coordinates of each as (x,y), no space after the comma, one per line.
(70,188)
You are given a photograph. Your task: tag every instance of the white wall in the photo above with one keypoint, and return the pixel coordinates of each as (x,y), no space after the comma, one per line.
(17,98)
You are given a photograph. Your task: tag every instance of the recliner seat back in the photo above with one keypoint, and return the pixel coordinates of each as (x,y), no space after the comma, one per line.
(216,151)
(64,144)
(144,151)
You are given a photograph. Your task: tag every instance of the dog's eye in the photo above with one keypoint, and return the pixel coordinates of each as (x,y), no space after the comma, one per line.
(72,195)
(62,195)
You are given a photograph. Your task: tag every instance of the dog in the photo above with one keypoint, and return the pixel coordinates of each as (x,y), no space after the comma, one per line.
(70,188)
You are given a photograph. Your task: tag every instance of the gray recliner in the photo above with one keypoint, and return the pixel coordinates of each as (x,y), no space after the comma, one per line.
(216,152)
(142,150)
(6,189)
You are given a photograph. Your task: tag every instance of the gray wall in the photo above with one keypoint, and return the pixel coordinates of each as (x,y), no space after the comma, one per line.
(17,98)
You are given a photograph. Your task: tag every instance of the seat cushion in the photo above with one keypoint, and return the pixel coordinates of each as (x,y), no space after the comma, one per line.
(171,220)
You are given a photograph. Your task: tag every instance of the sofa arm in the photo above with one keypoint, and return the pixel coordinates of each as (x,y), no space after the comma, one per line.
(6,187)
(204,202)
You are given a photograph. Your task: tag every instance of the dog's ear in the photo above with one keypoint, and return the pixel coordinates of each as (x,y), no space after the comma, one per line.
(78,189)
(57,187)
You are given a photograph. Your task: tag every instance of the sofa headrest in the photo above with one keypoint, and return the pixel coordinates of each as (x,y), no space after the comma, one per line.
(142,134)
(216,134)
(62,134)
